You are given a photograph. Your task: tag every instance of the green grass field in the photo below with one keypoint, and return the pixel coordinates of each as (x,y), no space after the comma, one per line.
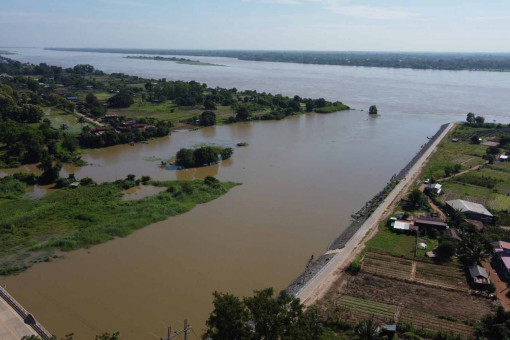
(74,218)
(450,153)
(58,117)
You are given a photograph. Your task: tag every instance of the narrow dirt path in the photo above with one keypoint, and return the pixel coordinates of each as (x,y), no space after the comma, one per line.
(412,277)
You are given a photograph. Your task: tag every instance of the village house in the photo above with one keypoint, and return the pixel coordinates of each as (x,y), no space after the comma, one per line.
(402,225)
(471,210)
(501,258)
(429,221)
(503,158)
(479,276)
(101,130)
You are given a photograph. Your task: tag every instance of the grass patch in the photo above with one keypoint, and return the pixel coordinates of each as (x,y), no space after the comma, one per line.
(402,245)
(75,218)
(332,108)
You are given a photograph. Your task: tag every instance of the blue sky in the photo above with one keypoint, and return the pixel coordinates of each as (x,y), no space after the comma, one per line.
(360,25)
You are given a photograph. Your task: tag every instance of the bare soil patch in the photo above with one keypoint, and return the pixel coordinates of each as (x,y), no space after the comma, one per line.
(414,296)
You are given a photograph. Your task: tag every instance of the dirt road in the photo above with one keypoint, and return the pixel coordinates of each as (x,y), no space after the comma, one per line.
(318,286)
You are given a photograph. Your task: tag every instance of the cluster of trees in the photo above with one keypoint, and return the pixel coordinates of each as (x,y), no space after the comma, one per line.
(181,92)
(89,139)
(26,139)
(471,118)
(122,99)
(202,156)
(262,316)
(94,107)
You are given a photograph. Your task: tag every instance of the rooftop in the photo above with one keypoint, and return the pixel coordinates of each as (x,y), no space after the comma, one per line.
(466,206)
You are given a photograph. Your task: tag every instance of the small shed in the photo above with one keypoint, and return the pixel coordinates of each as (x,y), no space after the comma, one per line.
(479,275)
(74,185)
(503,158)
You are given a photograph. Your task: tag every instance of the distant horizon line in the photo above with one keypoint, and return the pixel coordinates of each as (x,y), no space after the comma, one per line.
(252,50)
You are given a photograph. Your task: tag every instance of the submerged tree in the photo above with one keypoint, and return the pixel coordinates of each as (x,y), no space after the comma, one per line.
(372,110)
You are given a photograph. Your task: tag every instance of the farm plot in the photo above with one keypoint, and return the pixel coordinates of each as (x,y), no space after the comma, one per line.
(360,309)
(388,266)
(467,161)
(431,322)
(447,276)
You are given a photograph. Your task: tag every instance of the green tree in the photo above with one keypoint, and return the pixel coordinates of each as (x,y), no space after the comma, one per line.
(70,143)
(475,139)
(81,120)
(92,100)
(372,110)
(242,113)
(122,99)
(416,198)
(207,118)
(205,156)
(447,247)
(470,118)
(185,158)
(366,329)
(479,120)
(228,320)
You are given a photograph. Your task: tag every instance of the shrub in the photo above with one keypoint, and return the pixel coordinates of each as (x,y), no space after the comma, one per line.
(226,153)
(354,268)
(145,179)
(211,181)
(410,336)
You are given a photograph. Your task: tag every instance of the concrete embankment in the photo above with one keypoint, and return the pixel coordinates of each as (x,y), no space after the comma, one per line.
(16,322)
(318,276)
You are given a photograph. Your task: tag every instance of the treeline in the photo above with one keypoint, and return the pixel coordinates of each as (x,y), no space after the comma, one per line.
(414,60)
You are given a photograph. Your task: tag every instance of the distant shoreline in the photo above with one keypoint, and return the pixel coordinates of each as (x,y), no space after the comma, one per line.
(494,62)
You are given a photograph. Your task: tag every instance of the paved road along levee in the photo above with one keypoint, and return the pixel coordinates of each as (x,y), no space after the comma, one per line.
(16,322)
(315,287)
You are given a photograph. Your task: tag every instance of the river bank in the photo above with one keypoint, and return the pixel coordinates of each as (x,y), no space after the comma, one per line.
(69,219)
(315,282)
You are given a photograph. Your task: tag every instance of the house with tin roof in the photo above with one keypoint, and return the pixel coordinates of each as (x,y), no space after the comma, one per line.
(471,210)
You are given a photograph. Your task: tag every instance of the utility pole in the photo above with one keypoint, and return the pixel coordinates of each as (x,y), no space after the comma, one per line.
(184,331)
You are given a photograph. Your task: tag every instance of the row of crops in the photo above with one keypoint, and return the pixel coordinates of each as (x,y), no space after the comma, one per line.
(446,276)
(363,308)
(388,266)
(431,322)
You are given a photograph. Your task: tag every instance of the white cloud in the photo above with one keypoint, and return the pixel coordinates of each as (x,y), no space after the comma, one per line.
(350,9)
(490,18)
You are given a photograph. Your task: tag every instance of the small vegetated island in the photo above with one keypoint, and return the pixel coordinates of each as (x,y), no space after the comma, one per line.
(202,156)
(174,59)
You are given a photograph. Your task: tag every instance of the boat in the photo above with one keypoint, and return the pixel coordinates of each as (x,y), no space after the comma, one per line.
(242,144)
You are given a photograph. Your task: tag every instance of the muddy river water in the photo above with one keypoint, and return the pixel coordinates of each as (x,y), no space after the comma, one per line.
(301,179)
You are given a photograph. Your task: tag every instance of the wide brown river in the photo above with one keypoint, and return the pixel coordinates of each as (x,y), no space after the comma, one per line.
(301,179)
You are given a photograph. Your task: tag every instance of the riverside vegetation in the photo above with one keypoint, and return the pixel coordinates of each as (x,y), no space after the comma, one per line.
(109,109)
(34,230)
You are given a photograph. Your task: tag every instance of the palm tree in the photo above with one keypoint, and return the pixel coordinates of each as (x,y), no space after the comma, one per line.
(63,127)
(472,249)
(81,120)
